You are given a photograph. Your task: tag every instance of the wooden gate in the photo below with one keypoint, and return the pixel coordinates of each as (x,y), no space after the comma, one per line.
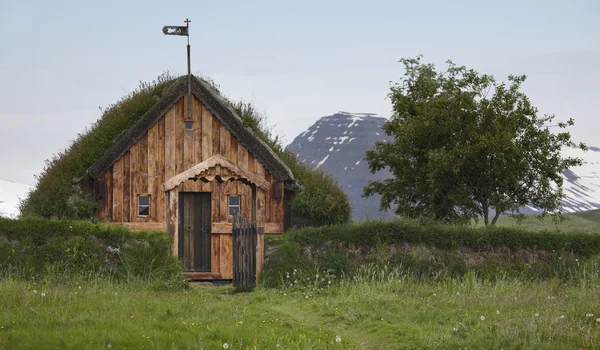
(244,253)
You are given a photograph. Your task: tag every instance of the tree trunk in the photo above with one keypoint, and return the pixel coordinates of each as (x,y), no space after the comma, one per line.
(486,213)
(495,218)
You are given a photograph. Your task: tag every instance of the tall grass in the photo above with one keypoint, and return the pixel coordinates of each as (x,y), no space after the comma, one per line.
(62,251)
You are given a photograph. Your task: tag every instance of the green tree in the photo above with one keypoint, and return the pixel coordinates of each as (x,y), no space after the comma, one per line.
(466,145)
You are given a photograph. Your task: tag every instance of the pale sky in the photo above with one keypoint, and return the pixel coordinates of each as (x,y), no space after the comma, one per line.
(62,60)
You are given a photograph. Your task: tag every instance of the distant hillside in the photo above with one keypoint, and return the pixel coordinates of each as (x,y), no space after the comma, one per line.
(10,193)
(338,143)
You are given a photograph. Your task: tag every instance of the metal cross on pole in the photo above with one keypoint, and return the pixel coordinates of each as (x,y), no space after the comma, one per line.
(184,31)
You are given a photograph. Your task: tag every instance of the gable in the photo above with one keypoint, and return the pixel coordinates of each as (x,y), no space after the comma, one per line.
(216,106)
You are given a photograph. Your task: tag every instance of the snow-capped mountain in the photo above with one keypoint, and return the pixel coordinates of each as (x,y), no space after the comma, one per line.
(10,193)
(582,184)
(338,143)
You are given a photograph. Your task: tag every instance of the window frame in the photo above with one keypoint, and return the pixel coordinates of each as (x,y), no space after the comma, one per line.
(238,206)
(140,206)
(190,123)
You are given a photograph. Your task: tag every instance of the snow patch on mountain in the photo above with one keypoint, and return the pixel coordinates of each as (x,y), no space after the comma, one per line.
(581,184)
(10,194)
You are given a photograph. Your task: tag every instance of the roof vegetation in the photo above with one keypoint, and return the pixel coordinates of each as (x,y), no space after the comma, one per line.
(58,195)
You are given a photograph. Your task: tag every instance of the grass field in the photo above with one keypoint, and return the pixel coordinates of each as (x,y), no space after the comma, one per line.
(588,221)
(377,310)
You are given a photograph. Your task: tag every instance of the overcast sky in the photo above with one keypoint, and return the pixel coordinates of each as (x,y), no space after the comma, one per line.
(62,60)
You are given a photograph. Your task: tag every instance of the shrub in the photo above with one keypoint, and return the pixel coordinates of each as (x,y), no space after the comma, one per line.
(285,260)
(448,237)
(64,250)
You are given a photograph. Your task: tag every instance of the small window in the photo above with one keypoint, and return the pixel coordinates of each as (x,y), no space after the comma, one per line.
(234,205)
(144,205)
(189,125)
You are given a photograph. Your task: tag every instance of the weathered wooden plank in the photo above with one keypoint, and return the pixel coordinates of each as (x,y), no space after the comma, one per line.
(205,233)
(242,157)
(197,132)
(160,169)
(170,125)
(204,276)
(207,142)
(216,129)
(246,200)
(118,191)
(188,230)
(139,174)
(126,188)
(269,200)
(221,227)
(105,195)
(226,256)
(216,251)
(280,206)
(215,201)
(225,140)
(260,254)
(260,207)
(109,193)
(188,154)
(224,212)
(179,138)
(153,185)
(251,163)
(173,215)
(273,227)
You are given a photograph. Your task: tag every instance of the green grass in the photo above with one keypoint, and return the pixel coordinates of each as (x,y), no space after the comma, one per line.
(588,221)
(376,310)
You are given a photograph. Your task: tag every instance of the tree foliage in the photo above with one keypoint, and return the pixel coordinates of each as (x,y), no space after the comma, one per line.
(466,145)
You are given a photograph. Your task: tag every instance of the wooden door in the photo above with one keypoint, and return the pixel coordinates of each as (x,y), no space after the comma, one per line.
(194,231)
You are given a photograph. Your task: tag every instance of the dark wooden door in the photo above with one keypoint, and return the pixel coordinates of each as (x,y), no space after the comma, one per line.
(194,231)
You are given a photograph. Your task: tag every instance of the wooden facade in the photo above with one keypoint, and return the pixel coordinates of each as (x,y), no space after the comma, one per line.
(167,160)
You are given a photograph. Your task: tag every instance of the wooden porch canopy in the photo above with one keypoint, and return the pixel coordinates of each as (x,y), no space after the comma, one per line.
(216,166)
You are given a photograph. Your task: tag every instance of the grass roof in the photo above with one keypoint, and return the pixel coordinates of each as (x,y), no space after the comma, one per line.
(57,194)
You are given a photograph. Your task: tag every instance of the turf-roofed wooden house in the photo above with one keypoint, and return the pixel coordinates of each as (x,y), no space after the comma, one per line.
(189,177)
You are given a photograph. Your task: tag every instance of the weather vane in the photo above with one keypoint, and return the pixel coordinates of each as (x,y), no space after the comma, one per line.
(184,31)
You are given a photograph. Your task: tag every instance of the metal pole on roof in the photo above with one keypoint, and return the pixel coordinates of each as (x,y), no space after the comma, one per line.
(189,66)
(184,31)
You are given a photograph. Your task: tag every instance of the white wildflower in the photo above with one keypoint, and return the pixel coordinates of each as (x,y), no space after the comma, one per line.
(537,315)
(43,295)
(225,346)
(482,318)
(598,320)
(562,317)
(455,329)
(109,346)
(497,312)
(457,293)
(34,291)
(589,315)
(434,294)
(338,339)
